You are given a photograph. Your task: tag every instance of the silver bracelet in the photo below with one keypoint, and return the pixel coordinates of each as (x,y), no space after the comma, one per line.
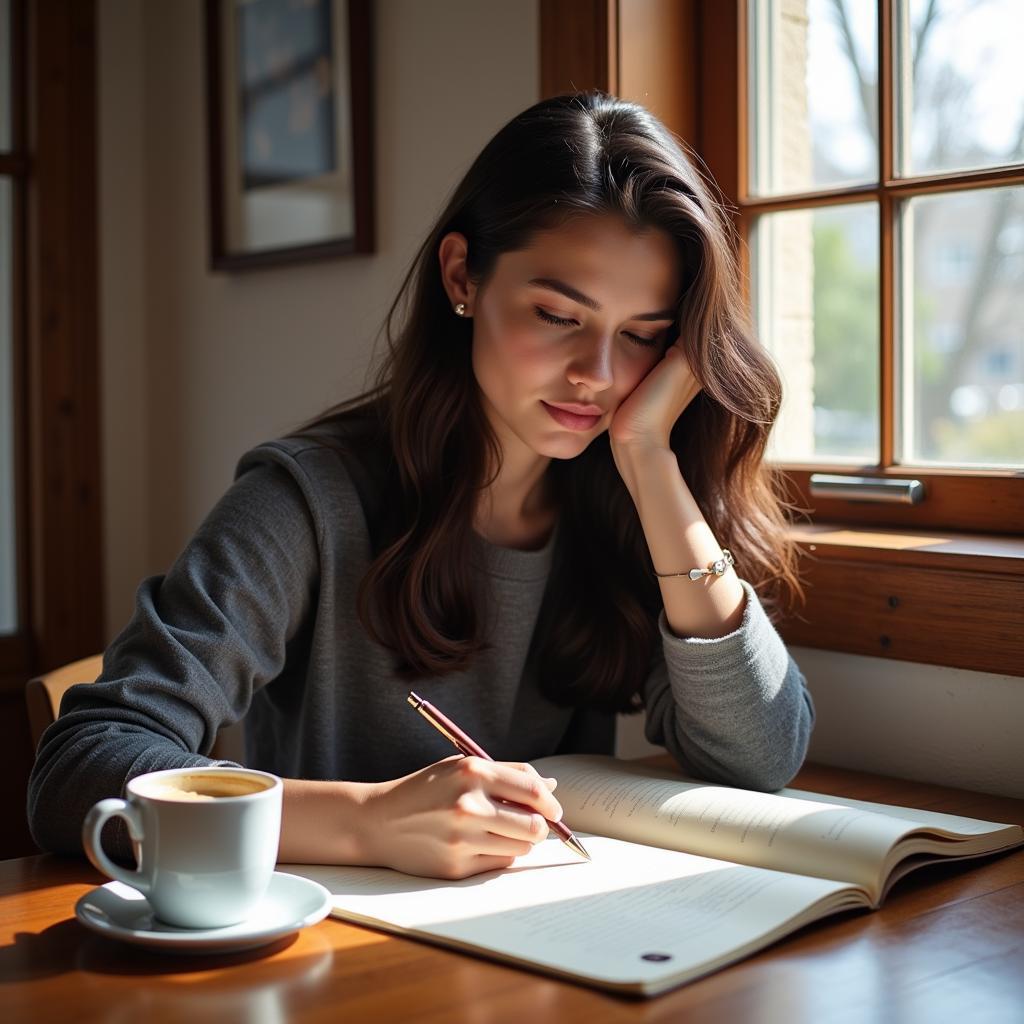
(715,568)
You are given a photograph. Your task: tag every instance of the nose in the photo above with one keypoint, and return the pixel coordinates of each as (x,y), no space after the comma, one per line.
(591,365)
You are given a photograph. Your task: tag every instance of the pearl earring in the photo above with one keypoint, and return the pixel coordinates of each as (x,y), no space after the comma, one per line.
(460,309)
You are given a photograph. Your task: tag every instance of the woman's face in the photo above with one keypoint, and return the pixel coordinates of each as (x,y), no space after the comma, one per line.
(576,320)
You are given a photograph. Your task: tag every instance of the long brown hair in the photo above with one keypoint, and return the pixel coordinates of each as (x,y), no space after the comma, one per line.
(597,633)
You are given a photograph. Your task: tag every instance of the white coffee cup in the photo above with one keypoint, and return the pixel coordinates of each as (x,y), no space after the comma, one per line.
(206,841)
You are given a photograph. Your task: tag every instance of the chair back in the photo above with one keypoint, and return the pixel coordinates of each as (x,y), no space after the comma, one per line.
(43,696)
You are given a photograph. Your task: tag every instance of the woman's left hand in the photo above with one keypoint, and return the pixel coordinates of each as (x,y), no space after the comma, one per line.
(647,416)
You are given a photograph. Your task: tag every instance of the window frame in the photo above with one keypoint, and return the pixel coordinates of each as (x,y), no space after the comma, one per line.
(971,499)
(58,478)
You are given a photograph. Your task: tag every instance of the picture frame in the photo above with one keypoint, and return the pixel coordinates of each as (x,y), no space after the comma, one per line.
(289,131)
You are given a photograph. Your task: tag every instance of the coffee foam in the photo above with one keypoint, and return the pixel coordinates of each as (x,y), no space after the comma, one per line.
(164,792)
(203,786)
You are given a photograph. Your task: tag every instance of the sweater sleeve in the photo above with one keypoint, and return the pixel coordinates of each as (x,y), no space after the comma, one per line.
(734,709)
(201,639)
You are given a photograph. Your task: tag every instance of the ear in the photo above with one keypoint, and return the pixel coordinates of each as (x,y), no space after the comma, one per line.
(454,276)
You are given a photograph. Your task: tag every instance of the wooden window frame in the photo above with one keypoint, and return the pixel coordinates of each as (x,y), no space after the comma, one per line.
(939,583)
(56,370)
(989,501)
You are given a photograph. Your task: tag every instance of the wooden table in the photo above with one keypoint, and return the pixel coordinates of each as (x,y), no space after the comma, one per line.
(947,946)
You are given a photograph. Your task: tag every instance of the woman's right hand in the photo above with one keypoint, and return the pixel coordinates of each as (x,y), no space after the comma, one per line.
(454,818)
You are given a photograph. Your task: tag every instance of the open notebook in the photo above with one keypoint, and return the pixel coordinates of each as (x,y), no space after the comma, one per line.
(686,877)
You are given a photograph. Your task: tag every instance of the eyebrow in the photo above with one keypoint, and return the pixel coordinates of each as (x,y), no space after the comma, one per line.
(584,300)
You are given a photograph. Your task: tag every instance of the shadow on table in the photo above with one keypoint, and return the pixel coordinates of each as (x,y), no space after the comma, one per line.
(122,983)
(68,946)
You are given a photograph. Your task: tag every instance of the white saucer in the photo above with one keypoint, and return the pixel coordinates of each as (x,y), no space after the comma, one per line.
(120,912)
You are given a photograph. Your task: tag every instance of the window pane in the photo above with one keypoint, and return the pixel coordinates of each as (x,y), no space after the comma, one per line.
(8,568)
(812,95)
(816,295)
(964,321)
(965,107)
(5,74)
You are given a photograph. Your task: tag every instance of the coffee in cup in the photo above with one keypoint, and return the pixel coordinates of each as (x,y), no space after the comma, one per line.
(206,840)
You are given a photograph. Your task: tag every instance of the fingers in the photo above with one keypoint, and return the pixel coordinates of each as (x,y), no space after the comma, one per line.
(517,823)
(502,781)
(487,863)
(500,846)
(525,766)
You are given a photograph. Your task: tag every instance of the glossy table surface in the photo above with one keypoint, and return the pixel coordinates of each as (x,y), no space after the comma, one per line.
(948,945)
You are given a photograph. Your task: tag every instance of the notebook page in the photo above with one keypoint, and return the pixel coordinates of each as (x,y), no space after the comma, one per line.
(631,915)
(641,804)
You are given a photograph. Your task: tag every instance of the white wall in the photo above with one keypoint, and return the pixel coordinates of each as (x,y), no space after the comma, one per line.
(198,366)
(921,722)
(924,722)
(122,281)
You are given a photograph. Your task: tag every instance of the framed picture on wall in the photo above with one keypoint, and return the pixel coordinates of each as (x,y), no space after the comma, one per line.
(289,133)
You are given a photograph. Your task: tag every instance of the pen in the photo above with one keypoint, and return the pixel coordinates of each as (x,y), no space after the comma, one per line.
(469,747)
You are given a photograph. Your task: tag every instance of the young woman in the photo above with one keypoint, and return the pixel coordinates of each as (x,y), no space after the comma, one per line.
(571,416)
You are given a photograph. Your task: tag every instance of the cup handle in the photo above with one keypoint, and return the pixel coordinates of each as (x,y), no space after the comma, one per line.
(93,826)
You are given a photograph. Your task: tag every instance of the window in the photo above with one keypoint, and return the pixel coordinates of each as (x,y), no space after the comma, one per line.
(880,186)
(874,157)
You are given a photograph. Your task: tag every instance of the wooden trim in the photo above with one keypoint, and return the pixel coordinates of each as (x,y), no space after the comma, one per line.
(935,184)
(66,565)
(888,371)
(721,116)
(16,650)
(935,597)
(936,616)
(741,55)
(900,189)
(13,164)
(809,200)
(612,25)
(886,246)
(645,51)
(990,502)
(722,126)
(15,661)
(578,46)
(928,549)
(657,61)
(22,647)
(19,104)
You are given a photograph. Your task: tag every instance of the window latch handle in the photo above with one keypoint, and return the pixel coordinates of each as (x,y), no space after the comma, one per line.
(867,488)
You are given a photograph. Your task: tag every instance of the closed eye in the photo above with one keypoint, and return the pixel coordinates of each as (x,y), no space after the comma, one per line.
(558,321)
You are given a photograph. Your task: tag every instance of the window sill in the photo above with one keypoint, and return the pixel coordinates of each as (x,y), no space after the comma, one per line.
(929,596)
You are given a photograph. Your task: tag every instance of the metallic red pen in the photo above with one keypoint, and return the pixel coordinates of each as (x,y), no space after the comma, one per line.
(470,747)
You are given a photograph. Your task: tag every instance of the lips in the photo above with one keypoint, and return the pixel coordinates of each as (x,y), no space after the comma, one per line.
(572,420)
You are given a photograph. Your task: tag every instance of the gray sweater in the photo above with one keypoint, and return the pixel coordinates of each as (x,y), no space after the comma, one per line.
(257,618)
